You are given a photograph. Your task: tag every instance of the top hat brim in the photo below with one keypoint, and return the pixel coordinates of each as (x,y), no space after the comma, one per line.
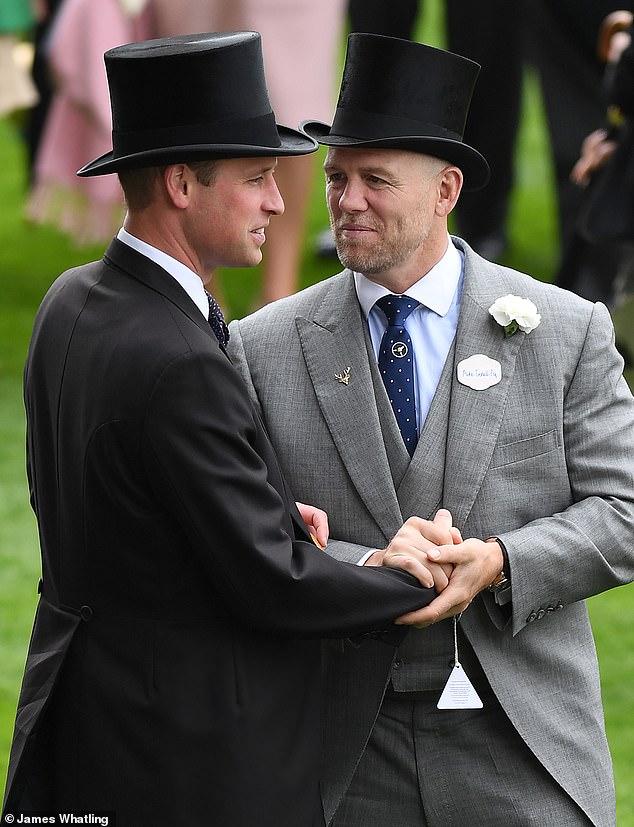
(292,142)
(474,166)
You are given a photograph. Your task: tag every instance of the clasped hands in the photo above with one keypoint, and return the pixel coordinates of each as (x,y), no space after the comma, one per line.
(434,552)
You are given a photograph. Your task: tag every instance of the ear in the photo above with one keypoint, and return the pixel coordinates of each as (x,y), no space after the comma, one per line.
(178,181)
(449,187)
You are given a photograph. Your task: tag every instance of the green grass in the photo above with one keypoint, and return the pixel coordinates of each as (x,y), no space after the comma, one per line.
(31,257)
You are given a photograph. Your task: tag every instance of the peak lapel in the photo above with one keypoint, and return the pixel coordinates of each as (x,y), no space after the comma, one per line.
(334,344)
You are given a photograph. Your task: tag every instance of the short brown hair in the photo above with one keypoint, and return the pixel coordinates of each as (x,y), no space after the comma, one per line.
(138,184)
(205,171)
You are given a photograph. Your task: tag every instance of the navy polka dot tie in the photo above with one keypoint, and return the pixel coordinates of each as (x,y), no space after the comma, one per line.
(396,364)
(217,320)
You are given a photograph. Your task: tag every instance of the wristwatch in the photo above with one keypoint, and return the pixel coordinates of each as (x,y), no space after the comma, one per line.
(501,586)
(501,589)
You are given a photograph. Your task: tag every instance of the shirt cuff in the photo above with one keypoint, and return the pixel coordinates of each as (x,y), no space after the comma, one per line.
(366,557)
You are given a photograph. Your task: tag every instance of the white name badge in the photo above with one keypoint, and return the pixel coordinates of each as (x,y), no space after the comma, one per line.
(479,372)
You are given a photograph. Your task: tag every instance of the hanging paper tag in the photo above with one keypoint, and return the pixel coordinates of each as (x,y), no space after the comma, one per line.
(459,692)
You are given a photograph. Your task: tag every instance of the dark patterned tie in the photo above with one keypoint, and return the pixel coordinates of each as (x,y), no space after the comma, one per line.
(396,364)
(217,320)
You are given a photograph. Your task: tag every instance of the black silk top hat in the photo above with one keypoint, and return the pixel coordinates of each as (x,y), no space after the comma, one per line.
(191,97)
(398,94)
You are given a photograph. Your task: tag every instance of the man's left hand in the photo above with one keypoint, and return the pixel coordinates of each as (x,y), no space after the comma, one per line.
(476,564)
(316,522)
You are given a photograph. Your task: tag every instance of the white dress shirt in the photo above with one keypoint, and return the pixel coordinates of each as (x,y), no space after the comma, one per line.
(190,282)
(432,326)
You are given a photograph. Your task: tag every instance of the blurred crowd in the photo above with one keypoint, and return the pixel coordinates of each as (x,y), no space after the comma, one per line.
(581,54)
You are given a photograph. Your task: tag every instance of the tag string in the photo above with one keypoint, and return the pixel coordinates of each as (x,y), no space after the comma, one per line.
(456,618)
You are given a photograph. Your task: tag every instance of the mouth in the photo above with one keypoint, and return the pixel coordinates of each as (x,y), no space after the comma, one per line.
(259,234)
(351,230)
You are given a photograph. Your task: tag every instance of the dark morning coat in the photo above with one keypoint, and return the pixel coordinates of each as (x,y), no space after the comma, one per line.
(173,673)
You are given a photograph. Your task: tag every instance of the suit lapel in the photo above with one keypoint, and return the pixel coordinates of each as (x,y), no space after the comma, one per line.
(332,343)
(475,416)
(154,277)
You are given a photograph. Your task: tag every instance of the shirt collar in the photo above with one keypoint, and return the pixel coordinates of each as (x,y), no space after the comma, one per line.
(435,290)
(188,280)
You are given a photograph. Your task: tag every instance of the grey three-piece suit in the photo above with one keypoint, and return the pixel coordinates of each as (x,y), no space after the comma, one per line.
(543,460)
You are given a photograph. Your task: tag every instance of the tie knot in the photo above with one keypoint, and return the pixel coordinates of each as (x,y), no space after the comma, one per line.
(397,308)
(217,320)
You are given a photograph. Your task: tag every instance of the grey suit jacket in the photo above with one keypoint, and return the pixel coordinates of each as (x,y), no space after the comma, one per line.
(544,460)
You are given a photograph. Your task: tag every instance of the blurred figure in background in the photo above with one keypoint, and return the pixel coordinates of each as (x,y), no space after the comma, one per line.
(78,124)
(606,165)
(300,39)
(16,89)
(489,33)
(42,80)
(561,42)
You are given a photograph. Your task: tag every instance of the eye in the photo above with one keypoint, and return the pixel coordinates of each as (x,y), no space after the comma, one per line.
(375,181)
(333,177)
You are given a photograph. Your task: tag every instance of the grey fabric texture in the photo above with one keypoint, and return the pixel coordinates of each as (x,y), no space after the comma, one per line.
(543,460)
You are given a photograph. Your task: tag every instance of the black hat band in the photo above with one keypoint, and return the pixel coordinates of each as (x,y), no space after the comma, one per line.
(368,126)
(257,131)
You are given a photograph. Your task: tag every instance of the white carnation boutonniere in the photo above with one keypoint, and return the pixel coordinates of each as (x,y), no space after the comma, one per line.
(514,313)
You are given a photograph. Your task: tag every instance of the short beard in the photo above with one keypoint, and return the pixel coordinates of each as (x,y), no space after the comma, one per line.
(359,259)
(362,261)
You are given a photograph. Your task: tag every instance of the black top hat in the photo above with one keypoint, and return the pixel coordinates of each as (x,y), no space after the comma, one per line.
(188,98)
(404,95)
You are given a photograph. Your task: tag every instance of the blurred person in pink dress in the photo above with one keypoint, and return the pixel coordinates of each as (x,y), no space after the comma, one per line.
(300,40)
(78,125)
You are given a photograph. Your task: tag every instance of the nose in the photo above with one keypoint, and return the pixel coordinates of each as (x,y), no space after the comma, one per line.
(274,203)
(352,199)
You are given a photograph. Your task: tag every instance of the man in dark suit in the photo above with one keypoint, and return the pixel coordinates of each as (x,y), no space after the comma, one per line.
(173,674)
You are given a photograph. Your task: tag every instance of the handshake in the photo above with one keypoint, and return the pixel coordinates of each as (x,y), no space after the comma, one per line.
(434,552)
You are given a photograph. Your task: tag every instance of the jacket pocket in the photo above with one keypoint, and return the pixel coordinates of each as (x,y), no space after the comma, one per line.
(524,449)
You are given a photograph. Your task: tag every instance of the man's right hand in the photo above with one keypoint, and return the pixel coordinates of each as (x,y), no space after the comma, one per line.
(409,549)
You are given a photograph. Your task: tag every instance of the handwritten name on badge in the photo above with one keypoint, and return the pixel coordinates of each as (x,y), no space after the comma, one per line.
(479,372)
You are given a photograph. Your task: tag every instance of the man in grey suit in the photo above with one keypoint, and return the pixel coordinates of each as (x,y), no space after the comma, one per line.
(520,424)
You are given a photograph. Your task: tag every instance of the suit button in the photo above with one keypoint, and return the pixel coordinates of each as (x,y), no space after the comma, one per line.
(550,609)
(541,613)
(532,616)
(396,664)
(560,605)
(86,613)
